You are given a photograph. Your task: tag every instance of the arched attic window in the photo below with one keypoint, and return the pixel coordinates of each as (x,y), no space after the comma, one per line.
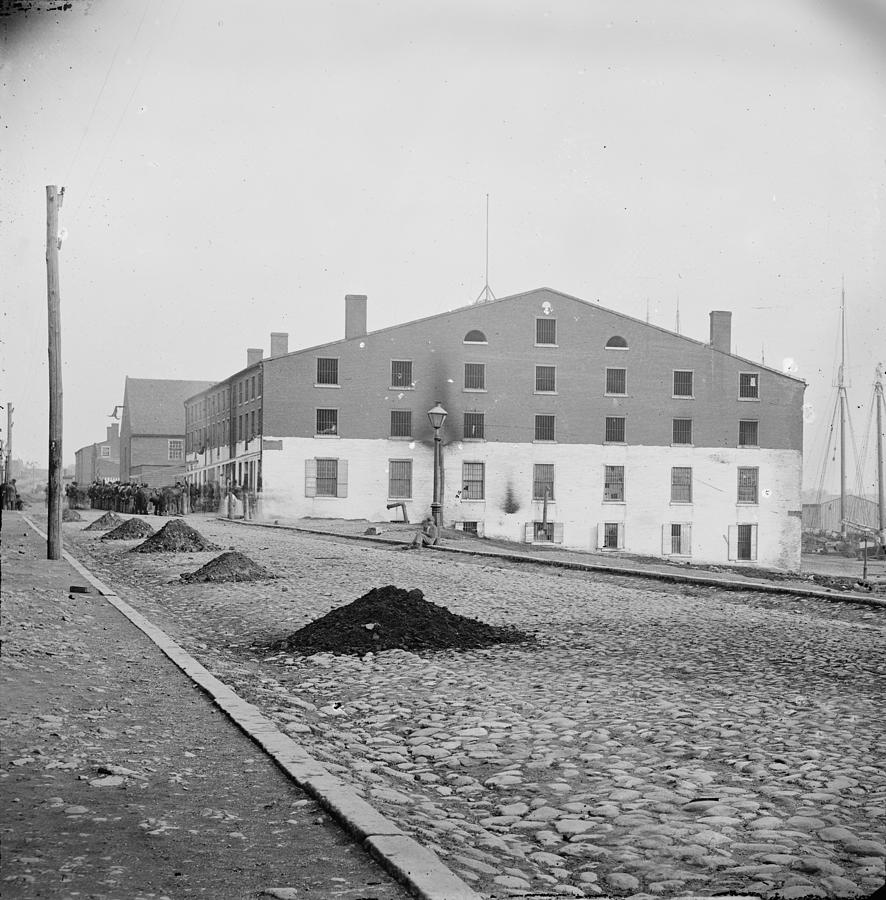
(475,337)
(616,342)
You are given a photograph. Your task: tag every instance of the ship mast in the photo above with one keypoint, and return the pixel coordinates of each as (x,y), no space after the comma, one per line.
(881,487)
(841,387)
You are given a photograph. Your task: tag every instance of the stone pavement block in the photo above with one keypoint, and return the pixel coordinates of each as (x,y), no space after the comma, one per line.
(419,868)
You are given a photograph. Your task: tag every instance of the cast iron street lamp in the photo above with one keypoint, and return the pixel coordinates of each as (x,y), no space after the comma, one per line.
(437,416)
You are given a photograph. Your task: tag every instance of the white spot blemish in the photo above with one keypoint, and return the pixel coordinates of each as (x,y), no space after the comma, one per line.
(450,381)
(412,445)
(362,344)
(788,365)
(400,395)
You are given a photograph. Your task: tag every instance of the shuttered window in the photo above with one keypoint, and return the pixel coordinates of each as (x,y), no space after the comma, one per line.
(326,477)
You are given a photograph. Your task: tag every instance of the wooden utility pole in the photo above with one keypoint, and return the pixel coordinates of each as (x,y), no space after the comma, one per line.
(54,198)
(8,461)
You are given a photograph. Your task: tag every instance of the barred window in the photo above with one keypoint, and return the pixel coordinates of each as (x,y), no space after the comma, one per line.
(543,481)
(473,479)
(475,376)
(327,477)
(470,528)
(475,425)
(681,484)
(546,331)
(682,431)
(327,370)
(544,428)
(176,449)
(401,373)
(747,433)
(327,421)
(610,535)
(400,479)
(615,430)
(614,483)
(401,423)
(546,378)
(616,381)
(747,484)
(106,450)
(749,385)
(683,383)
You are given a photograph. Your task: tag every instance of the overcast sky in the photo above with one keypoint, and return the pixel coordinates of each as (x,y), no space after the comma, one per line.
(236,168)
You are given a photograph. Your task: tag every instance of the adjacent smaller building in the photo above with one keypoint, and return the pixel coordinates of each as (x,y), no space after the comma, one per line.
(152,431)
(828,516)
(99,461)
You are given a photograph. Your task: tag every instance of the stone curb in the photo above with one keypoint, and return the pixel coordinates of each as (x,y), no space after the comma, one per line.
(416,867)
(726,584)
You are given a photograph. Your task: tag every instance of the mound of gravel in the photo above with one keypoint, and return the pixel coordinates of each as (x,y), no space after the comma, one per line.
(130,530)
(389,618)
(71,515)
(230,566)
(106,522)
(175,536)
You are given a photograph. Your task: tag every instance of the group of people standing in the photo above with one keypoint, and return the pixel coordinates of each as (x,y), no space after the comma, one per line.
(10,495)
(128,497)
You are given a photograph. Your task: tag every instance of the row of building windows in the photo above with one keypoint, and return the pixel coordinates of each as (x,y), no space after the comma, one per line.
(243,391)
(474,427)
(322,480)
(615,379)
(246,426)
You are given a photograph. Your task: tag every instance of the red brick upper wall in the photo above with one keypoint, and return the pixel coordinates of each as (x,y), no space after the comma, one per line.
(435,345)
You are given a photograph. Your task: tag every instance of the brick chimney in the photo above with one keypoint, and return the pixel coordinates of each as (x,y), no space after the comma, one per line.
(355,316)
(254,355)
(721,330)
(279,343)
(113,432)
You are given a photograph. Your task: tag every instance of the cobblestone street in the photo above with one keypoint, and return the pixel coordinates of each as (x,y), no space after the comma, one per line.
(656,739)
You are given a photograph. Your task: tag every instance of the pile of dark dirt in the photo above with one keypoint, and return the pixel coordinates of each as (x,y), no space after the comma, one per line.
(175,536)
(130,530)
(390,618)
(107,522)
(71,515)
(230,566)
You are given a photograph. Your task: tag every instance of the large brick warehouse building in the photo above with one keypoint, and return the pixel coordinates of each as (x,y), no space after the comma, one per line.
(617,434)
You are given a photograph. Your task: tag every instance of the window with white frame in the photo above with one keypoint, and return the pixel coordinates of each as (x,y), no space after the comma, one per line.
(400,479)
(748,433)
(681,432)
(475,376)
(543,481)
(401,423)
(544,428)
(681,484)
(616,342)
(176,449)
(473,480)
(748,484)
(474,426)
(616,381)
(743,542)
(683,383)
(105,451)
(327,370)
(546,331)
(615,430)
(676,539)
(614,484)
(611,536)
(326,477)
(545,379)
(748,386)
(327,421)
(401,373)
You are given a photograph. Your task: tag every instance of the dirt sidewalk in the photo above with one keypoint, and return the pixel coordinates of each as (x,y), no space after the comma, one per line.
(121,780)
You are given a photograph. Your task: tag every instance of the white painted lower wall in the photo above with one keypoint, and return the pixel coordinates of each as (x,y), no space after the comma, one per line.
(578,491)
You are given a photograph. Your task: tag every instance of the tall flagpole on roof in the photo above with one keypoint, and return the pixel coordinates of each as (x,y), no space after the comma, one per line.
(486,294)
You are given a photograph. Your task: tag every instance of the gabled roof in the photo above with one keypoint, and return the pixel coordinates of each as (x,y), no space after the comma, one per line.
(156,405)
(588,303)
